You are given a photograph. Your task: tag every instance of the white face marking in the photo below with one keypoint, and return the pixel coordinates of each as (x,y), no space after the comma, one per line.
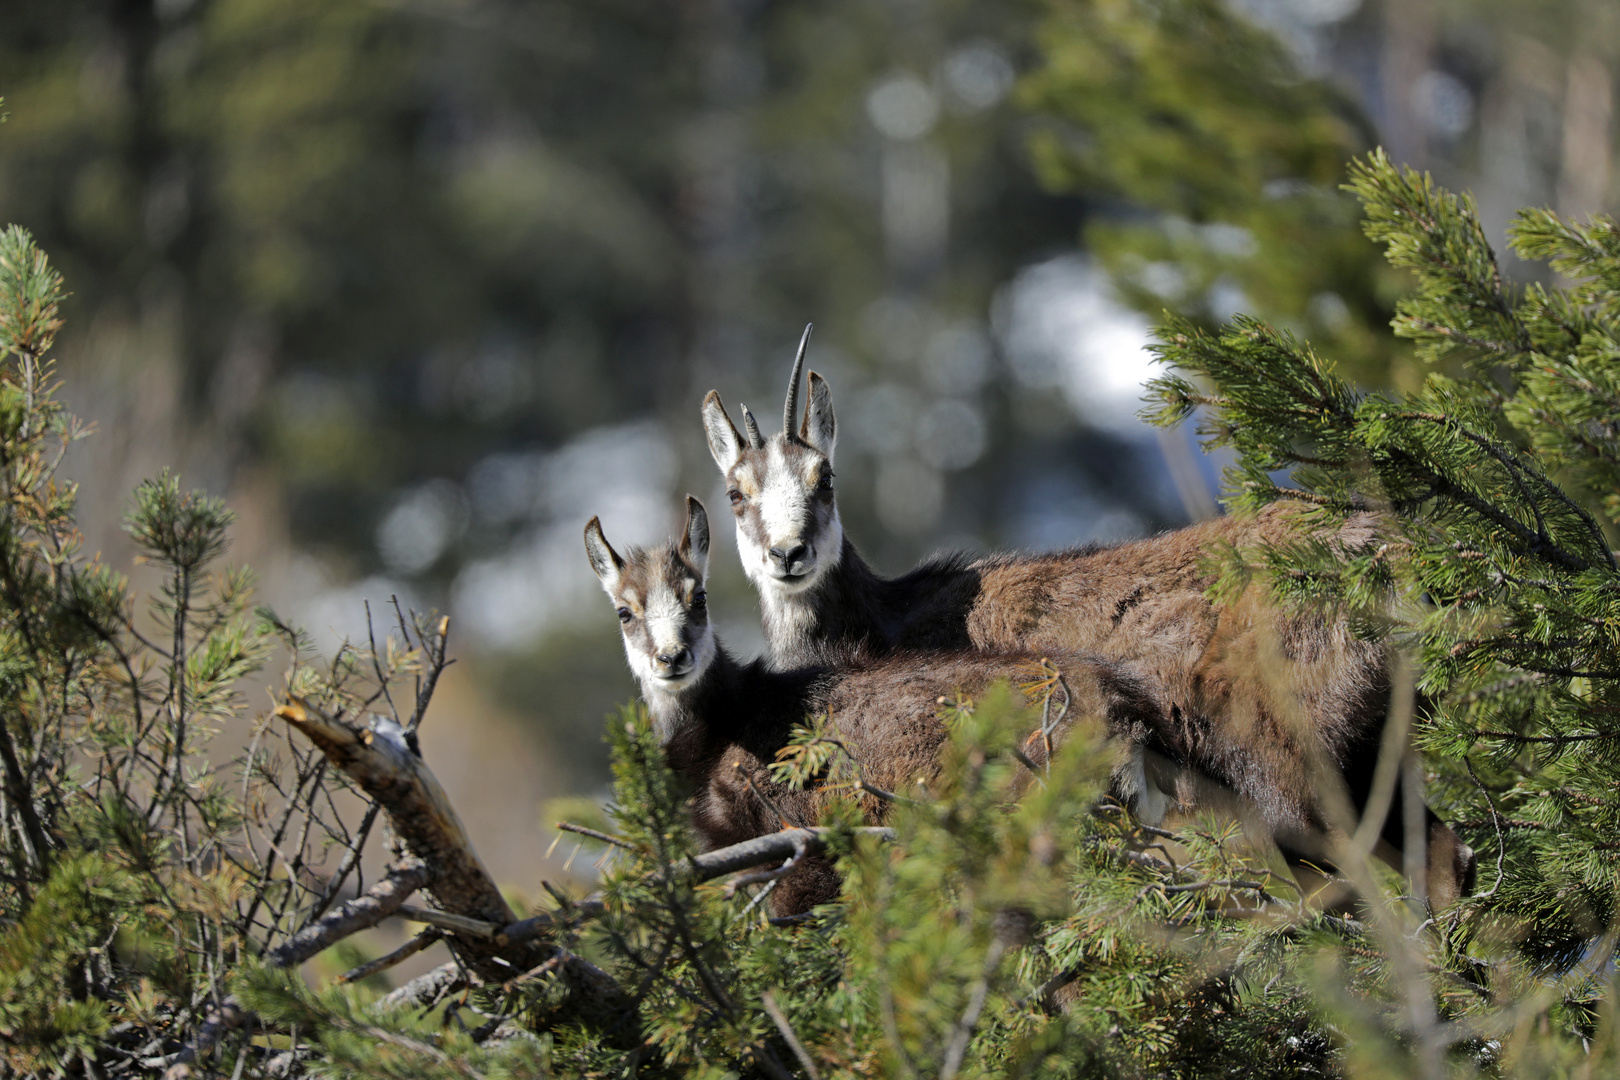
(784,503)
(786,506)
(663,694)
(664,624)
(665,616)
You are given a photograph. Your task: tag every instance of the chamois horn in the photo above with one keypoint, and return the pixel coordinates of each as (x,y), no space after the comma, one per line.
(755,439)
(791,409)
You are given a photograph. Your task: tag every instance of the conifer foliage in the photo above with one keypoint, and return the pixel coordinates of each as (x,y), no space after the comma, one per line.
(1500,476)
(1008,920)
(136,873)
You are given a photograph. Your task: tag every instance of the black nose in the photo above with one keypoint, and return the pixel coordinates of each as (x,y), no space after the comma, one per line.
(790,556)
(675,659)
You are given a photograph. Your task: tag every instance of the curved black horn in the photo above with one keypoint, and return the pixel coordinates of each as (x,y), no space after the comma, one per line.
(790,410)
(755,439)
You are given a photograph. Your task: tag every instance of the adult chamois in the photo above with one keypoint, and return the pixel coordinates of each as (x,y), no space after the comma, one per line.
(1269,702)
(721,721)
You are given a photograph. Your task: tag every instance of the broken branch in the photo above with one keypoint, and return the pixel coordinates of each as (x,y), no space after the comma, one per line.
(380,761)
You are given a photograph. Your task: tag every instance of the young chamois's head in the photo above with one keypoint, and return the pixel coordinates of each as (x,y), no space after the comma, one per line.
(780,487)
(658,594)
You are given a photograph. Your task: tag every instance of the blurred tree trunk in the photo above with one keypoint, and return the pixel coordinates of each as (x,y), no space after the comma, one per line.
(1410,31)
(1583,180)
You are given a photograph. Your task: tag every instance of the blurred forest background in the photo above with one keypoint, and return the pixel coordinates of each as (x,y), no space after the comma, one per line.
(420,285)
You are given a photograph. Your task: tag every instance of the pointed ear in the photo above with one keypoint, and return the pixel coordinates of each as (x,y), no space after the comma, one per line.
(604,560)
(820,430)
(724,441)
(695,540)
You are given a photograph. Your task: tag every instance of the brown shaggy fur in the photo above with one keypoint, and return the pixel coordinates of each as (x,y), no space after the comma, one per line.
(723,721)
(1270,704)
(735,719)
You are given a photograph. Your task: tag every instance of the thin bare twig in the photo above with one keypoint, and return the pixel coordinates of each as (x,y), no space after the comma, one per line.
(376,665)
(350,860)
(764,798)
(568,826)
(444,920)
(1496,820)
(779,1018)
(426,939)
(435,651)
(380,901)
(788,866)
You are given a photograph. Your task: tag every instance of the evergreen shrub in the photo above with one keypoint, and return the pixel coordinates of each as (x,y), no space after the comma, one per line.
(1013,921)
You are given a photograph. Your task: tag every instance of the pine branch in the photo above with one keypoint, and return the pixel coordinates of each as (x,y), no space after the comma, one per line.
(774,847)
(426,939)
(380,901)
(381,763)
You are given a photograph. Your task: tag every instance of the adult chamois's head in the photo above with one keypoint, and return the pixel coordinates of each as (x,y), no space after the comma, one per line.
(658,594)
(780,487)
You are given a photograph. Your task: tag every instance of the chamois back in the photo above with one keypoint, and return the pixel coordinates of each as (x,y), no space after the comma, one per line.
(1270,702)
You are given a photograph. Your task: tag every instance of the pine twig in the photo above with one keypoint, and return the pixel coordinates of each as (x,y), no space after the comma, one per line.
(444,920)
(568,826)
(791,864)
(1496,820)
(380,901)
(962,1032)
(779,1018)
(425,939)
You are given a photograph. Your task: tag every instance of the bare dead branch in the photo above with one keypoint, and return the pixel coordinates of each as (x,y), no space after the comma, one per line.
(780,1019)
(771,848)
(425,990)
(544,923)
(444,920)
(421,941)
(568,826)
(774,847)
(378,759)
(762,876)
(380,901)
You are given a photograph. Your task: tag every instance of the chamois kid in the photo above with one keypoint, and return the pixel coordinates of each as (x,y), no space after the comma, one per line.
(1267,702)
(721,721)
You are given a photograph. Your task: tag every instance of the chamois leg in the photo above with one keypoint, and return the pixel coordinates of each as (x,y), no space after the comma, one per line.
(1315,873)
(1448,862)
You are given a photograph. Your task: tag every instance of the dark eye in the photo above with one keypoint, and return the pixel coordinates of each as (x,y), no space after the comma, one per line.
(624,614)
(825,483)
(735,496)
(700,601)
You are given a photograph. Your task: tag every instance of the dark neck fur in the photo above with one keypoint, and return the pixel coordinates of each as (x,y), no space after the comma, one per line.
(854,611)
(733,704)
